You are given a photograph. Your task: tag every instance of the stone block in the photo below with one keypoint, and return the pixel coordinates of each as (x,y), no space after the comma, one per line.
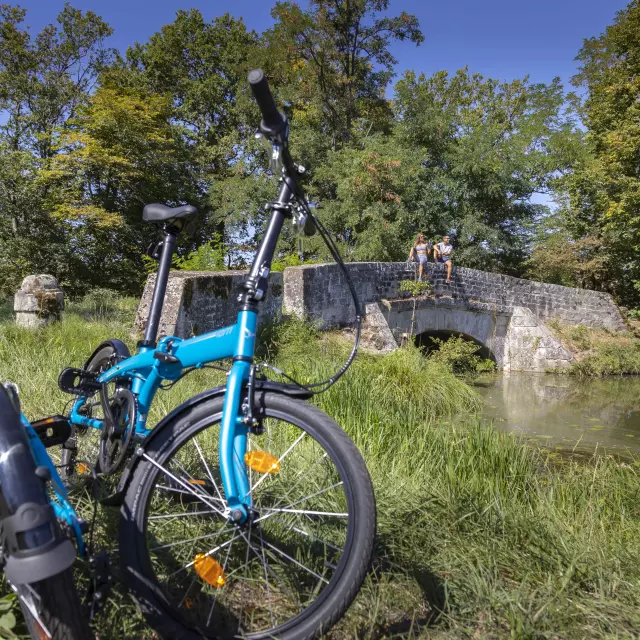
(38,302)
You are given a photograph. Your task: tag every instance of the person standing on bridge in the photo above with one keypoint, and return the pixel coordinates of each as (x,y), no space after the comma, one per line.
(442,252)
(420,252)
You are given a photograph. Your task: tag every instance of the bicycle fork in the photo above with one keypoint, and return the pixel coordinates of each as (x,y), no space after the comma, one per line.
(233,430)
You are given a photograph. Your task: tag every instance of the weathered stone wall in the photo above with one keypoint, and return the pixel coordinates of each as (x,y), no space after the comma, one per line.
(517,339)
(201,301)
(321,292)
(505,314)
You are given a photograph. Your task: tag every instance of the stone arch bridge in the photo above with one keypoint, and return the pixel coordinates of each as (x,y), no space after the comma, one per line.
(505,316)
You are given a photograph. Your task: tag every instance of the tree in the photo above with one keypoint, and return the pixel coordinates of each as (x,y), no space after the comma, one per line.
(202,67)
(487,147)
(604,190)
(43,82)
(334,64)
(119,153)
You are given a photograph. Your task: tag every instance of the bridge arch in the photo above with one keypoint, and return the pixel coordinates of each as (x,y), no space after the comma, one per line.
(487,328)
(427,344)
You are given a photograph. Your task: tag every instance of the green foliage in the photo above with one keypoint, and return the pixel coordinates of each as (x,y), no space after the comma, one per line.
(280,263)
(8,623)
(599,352)
(44,80)
(459,356)
(207,257)
(334,63)
(609,360)
(416,287)
(475,517)
(560,258)
(602,194)
(84,146)
(485,148)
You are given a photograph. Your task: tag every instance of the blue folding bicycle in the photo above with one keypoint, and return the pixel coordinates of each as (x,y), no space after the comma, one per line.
(246,511)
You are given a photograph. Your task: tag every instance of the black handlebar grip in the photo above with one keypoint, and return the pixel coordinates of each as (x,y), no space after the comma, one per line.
(271,118)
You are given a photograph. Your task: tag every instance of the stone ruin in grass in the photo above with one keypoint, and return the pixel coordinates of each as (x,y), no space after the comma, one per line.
(38,302)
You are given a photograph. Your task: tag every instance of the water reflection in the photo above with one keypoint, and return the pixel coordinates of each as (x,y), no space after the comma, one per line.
(565,411)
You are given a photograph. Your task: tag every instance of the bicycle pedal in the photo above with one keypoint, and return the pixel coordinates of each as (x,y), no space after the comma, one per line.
(101,582)
(78,382)
(52,431)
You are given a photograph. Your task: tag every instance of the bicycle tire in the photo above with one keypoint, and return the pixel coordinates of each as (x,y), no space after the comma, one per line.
(59,608)
(354,562)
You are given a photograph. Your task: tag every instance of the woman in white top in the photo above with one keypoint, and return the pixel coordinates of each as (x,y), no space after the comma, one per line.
(420,252)
(443,251)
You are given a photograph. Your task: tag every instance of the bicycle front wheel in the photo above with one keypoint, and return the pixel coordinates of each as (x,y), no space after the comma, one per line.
(292,570)
(52,609)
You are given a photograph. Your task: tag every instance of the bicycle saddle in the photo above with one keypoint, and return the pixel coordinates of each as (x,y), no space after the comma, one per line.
(159,212)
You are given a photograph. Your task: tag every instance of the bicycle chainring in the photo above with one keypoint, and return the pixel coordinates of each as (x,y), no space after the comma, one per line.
(116,438)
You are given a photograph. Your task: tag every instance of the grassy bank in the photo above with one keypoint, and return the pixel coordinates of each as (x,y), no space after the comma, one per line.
(480,536)
(599,352)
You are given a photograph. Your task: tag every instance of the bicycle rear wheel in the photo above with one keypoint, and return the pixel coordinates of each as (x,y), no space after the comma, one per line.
(292,570)
(84,444)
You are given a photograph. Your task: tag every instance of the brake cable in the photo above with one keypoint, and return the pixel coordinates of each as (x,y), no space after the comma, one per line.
(325,385)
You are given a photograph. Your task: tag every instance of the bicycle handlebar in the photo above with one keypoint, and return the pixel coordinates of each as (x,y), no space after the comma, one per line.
(272,120)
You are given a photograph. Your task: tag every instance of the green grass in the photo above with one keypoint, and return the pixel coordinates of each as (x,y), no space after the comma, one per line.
(480,536)
(599,352)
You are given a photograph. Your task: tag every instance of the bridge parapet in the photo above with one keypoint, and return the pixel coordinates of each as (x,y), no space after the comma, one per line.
(505,314)
(321,292)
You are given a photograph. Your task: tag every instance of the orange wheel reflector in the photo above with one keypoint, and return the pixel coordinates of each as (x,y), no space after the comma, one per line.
(262,462)
(194,481)
(209,570)
(84,469)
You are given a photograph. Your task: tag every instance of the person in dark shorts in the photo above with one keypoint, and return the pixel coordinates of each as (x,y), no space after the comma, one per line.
(420,252)
(443,251)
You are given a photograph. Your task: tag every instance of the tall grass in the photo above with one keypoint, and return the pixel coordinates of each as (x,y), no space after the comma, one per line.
(599,352)
(480,536)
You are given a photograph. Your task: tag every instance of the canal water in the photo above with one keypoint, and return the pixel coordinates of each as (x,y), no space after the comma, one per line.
(564,411)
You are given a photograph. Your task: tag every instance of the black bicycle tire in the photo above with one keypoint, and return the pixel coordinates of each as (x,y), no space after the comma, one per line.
(334,601)
(60,608)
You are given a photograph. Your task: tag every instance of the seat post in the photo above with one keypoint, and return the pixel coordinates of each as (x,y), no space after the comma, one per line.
(160,288)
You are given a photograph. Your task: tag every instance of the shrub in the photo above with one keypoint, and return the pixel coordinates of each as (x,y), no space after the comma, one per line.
(416,287)
(460,356)
(598,352)
(208,257)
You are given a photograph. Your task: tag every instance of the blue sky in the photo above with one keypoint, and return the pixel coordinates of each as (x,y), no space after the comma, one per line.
(503,39)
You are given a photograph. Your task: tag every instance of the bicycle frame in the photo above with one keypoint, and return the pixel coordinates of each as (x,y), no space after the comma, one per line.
(147,372)
(61,505)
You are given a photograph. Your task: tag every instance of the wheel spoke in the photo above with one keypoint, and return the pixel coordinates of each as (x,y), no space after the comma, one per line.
(307,534)
(275,575)
(261,574)
(299,564)
(181,515)
(224,566)
(306,512)
(164,487)
(266,576)
(204,498)
(293,504)
(209,553)
(175,544)
(206,466)
(280,459)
